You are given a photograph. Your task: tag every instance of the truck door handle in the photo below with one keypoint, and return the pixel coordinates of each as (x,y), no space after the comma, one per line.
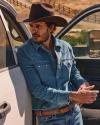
(4,109)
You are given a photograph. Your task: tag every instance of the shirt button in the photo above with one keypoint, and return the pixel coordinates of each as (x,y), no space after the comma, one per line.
(57,77)
(68,65)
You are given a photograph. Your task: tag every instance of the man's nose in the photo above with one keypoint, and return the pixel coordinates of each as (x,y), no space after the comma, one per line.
(34,30)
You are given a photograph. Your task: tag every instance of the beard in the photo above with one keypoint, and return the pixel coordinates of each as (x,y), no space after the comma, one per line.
(41,38)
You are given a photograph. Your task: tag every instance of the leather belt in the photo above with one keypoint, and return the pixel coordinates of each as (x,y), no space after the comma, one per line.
(55,112)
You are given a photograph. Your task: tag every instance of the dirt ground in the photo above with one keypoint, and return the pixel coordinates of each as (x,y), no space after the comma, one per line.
(75,4)
(79,4)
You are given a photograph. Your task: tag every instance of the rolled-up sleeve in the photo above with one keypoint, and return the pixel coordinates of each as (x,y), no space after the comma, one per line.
(75,76)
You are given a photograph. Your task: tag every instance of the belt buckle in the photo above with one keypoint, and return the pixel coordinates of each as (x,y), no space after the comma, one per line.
(40,113)
(55,112)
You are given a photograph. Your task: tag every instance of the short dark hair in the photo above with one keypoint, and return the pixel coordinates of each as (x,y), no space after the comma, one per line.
(50,23)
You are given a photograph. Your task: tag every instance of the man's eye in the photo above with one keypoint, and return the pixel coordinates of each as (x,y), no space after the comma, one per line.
(38,26)
(31,25)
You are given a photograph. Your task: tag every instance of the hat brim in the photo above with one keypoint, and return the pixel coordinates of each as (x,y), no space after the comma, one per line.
(58,21)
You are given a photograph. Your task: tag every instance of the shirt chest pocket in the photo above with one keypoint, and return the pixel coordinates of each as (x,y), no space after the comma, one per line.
(68,63)
(42,66)
(66,68)
(44,70)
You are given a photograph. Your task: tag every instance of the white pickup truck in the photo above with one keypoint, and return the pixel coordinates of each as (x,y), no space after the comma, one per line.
(15,102)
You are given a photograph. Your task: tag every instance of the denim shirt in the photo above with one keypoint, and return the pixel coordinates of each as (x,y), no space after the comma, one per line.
(49,84)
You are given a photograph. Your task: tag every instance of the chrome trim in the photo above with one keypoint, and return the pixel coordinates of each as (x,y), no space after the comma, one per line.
(75,20)
(8,68)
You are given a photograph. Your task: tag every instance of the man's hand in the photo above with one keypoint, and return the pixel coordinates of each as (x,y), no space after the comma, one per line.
(84,96)
(84,86)
(89,95)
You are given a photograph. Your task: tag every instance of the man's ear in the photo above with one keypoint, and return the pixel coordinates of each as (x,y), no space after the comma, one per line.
(52,28)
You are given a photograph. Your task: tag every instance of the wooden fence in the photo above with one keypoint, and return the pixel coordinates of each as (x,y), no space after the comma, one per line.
(17,3)
(61,9)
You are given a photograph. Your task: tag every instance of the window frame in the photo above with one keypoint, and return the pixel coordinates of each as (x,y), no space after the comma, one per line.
(88,11)
(10,42)
(5,6)
(77,19)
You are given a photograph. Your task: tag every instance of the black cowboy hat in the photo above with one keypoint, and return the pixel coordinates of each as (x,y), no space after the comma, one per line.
(43,12)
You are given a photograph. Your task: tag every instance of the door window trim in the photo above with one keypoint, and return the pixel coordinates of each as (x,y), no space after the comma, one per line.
(9,37)
(78,18)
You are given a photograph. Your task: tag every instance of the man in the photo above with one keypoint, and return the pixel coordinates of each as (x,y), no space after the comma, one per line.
(54,82)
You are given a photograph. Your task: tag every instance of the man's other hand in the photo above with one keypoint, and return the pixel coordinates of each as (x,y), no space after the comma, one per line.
(84,96)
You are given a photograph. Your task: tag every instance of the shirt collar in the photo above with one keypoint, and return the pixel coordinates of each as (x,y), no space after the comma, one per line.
(35,45)
(57,44)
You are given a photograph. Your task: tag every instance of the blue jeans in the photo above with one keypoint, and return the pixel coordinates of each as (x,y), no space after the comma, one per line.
(73,117)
